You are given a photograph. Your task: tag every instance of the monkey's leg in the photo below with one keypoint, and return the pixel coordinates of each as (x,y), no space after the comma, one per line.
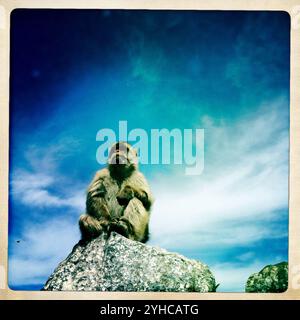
(91,227)
(96,205)
(134,222)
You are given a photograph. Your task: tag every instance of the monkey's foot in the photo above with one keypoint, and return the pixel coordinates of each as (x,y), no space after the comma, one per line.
(91,227)
(122,226)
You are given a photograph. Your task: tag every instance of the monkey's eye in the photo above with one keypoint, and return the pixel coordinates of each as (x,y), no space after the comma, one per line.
(127,149)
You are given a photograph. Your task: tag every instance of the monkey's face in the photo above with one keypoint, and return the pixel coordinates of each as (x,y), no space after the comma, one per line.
(123,155)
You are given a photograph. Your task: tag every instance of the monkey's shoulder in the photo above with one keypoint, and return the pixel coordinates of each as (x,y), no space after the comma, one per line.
(102,174)
(100,177)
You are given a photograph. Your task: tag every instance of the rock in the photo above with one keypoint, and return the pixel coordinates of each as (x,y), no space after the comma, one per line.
(120,264)
(272,278)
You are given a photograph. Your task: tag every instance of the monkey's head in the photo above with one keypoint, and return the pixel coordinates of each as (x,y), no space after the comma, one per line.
(122,159)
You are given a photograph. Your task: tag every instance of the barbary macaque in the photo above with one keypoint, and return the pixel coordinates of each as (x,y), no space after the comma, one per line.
(118,199)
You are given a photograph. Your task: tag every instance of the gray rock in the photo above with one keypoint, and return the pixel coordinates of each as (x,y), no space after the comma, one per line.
(120,264)
(272,278)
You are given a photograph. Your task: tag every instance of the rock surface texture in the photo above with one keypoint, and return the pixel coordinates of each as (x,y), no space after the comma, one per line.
(272,278)
(120,264)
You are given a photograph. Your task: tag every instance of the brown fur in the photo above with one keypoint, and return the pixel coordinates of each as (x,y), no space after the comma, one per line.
(118,198)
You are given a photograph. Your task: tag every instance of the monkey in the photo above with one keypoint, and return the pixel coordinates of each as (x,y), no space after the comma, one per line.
(118,198)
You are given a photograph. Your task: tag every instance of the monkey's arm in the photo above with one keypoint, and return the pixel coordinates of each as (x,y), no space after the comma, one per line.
(95,201)
(144,196)
(142,191)
(136,187)
(97,217)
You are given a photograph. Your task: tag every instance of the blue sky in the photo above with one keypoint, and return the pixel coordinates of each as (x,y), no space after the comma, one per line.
(74,72)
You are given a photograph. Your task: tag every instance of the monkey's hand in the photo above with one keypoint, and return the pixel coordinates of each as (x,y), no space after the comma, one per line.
(123,227)
(125,195)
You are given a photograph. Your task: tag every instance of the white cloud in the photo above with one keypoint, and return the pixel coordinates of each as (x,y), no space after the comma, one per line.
(246,256)
(48,158)
(245,181)
(39,251)
(32,189)
(217,235)
(30,271)
(40,186)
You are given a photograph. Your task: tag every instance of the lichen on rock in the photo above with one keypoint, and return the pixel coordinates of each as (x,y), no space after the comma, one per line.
(120,264)
(272,278)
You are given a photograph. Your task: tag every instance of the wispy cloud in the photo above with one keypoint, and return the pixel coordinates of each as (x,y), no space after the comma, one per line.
(40,249)
(33,189)
(42,184)
(243,189)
